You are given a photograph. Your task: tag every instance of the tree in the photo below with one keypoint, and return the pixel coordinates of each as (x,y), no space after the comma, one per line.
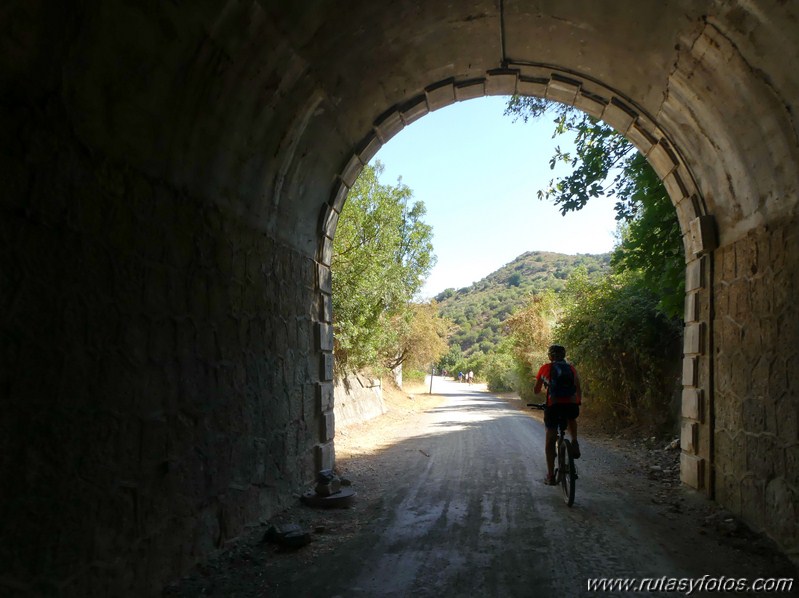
(423,335)
(531,331)
(606,163)
(382,252)
(622,331)
(451,359)
(623,348)
(531,328)
(651,242)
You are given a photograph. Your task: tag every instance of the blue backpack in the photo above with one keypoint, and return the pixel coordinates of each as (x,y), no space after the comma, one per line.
(561,380)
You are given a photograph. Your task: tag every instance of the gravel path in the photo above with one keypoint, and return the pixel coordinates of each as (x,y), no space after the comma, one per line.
(450,503)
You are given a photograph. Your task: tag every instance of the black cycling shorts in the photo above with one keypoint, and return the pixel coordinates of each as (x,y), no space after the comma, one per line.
(560,410)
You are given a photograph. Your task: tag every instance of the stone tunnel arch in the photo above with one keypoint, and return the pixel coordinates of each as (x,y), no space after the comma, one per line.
(596,99)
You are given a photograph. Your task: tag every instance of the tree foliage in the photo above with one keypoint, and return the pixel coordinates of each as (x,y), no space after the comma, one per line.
(531,328)
(501,371)
(382,252)
(604,163)
(623,347)
(622,331)
(530,331)
(651,242)
(422,335)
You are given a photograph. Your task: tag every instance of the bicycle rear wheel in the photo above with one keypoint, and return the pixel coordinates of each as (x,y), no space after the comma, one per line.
(567,471)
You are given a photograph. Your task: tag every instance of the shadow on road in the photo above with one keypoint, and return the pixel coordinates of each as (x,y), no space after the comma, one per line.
(456,508)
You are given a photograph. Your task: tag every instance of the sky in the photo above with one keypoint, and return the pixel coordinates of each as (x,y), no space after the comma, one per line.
(478,174)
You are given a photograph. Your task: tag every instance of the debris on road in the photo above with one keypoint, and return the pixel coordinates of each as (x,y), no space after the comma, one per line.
(288,535)
(330,491)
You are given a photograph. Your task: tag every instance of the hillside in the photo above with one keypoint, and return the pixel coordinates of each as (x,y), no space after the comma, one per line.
(479,310)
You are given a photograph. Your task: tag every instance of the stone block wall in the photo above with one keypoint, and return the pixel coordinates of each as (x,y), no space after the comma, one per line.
(159,376)
(358,398)
(756,407)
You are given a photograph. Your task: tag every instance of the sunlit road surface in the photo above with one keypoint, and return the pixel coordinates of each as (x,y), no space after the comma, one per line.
(468,515)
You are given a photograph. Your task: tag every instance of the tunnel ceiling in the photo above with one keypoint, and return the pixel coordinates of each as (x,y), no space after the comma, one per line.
(259,107)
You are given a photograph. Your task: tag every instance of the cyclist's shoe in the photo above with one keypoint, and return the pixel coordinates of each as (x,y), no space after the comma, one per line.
(575,450)
(550,480)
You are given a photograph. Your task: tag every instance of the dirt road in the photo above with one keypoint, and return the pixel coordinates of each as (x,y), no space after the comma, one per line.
(462,511)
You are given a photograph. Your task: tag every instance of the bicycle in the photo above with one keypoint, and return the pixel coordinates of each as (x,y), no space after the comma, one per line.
(565,468)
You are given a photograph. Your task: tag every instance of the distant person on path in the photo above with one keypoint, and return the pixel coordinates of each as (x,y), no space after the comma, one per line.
(460,376)
(563,397)
(470,377)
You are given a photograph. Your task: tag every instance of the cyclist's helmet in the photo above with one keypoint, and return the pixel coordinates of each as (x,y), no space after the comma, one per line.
(557,352)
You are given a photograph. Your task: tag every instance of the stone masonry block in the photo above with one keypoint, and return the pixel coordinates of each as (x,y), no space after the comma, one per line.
(327,308)
(324,336)
(760,455)
(689,371)
(440,96)
(726,257)
(691,307)
(686,211)
(351,171)
(693,275)
(339,196)
(723,445)
(692,338)
(619,116)
(777,243)
(721,301)
(745,257)
(501,82)
(675,186)
(662,159)
(687,248)
(324,278)
(532,86)
(762,295)
(689,437)
(389,126)
(415,110)
(703,234)
(369,148)
(640,137)
(325,396)
(563,90)
(326,251)
(329,220)
(328,426)
(468,90)
(325,456)
(739,306)
(591,104)
(327,367)
(692,404)
(692,470)
(764,256)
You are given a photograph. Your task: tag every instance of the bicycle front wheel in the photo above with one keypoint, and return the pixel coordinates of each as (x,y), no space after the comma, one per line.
(567,471)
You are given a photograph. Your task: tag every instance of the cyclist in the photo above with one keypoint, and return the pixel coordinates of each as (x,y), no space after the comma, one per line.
(563,399)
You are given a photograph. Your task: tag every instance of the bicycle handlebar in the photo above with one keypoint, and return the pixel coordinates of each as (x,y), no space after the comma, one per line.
(537,405)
